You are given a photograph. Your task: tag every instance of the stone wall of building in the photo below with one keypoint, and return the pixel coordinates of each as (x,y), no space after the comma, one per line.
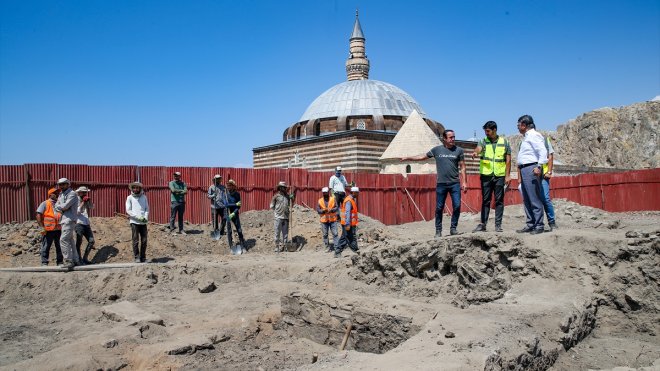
(354,150)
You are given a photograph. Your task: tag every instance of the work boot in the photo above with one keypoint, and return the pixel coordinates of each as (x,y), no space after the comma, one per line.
(330,248)
(183,232)
(438,233)
(525,230)
(68,265)
(480,228)
(536,231)
(498,228)
(337,254)
(44,264)
(552,226)
(137,260)
(453,232)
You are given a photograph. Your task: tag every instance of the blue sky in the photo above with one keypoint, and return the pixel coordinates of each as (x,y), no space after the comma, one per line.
(201,83)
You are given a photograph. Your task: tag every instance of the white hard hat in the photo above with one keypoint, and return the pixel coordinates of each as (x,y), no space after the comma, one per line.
(217,176)
(338,168)
(82,189)
(355,189)
(325,190)
(63,180)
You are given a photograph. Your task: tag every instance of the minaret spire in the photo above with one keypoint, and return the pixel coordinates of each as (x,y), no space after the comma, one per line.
(357,65)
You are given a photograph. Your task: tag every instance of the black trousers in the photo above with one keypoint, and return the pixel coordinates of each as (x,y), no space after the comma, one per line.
(218,214)
(339,199)
(85,231)
(177,208)
(139,237)
(49,238)
(237,224)
(490,185)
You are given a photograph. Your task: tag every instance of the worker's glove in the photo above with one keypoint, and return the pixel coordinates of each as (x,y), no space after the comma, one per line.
(232,215)
(85,199)
(238,204)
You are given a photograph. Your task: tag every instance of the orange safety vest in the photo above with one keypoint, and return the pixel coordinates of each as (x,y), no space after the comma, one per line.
(354,211)
(51,218)
(328,217)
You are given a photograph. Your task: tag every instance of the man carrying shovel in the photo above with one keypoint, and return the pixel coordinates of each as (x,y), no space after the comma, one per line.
(216,194)
(234,204)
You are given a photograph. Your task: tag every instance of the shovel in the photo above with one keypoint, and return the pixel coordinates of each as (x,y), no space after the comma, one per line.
(235,249)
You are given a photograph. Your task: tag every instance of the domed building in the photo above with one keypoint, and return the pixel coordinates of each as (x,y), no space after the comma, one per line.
(351,124)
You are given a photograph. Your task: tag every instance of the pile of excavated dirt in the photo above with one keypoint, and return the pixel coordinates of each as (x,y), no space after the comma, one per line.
(20,243)
(585,296)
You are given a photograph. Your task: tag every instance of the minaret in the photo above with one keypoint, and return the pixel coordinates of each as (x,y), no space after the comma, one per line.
(357,65)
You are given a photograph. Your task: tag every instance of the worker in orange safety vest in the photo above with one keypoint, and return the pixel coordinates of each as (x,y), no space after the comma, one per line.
(327,210)
(349,222)
(49,220)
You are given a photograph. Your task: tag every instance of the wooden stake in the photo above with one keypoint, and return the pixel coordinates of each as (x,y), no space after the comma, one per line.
(413,201)
(346,334)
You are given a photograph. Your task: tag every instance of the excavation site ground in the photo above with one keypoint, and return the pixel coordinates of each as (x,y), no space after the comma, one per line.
(584,296)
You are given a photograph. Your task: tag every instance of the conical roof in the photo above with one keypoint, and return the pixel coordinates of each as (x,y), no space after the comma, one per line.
(357,29)
(414,137)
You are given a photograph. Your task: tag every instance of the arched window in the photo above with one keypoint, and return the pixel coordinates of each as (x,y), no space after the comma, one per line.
(408,169)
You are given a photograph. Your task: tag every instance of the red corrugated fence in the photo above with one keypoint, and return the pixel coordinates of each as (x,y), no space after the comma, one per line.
(390,198)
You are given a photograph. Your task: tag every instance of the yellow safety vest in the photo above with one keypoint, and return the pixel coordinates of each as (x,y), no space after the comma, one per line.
(547,148)
(493,162)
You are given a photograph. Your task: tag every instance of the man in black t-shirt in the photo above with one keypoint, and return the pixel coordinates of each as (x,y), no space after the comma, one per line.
(449,162)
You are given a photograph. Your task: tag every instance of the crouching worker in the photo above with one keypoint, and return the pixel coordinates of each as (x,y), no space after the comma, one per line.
(327,210)
(137,209)
(234,204)
(349,222)
(49,220)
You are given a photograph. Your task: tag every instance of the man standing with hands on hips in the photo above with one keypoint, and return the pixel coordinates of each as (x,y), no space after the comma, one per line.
(449,161)
(532,155)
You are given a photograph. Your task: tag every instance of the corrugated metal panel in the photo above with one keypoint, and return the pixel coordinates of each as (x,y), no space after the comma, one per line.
(382,196)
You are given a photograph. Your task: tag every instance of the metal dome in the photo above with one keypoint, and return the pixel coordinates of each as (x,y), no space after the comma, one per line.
(362,97)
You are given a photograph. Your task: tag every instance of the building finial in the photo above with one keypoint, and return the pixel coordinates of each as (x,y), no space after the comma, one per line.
(356,12)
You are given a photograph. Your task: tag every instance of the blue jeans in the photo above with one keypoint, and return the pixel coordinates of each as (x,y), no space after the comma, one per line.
(547,202)
(441,191)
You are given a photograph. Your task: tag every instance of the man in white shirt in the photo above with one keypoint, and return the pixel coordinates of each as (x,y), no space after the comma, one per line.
(83,228)
(338,185)
(532,155)
(137,209)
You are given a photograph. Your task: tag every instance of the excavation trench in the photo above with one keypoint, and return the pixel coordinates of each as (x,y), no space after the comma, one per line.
(325,321)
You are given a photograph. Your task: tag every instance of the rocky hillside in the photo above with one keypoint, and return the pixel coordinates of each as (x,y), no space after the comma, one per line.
(625,138)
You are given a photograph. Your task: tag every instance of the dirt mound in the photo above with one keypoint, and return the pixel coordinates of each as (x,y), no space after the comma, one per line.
(20,243)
